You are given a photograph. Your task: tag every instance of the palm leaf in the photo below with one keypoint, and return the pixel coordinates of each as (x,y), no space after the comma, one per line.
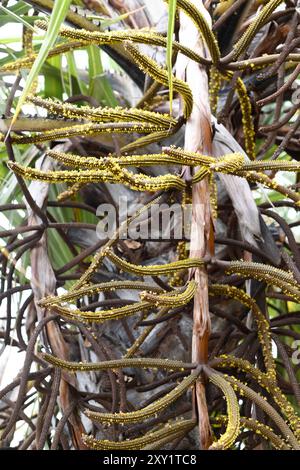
(16,17)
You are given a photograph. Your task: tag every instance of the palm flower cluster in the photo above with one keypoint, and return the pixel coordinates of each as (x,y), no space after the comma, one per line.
(179,343)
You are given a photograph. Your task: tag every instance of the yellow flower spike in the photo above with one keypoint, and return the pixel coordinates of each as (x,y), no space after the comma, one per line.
(144,363)
(27,62)
(79,162)
(141,182)
(268,409)
(95,289)
(241,45)
(267,273)
(87,130)
(266,431)
(27,42)
(150,410)
(174,298)
(113,37)
(198,18)
(214,88)
(201,174)
(272,166)
(263,326)
(246,110)
(262,270)
(247,120)
(150,139)
(230,163)
(29,51)
(265,380)
(177,279)
(165,434)
(233,427)
(154,270)
(136,182)
(101,114)
(150,67)
(188,156)
(101,315)
(213,194)
(264,179)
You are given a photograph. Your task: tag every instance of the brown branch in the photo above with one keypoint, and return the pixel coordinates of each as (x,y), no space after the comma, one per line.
(198,138)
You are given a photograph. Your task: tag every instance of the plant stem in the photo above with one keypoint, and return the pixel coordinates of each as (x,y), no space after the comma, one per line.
(198,138)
